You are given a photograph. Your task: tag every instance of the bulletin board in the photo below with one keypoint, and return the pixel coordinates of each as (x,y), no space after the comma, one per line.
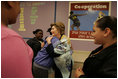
(34,15)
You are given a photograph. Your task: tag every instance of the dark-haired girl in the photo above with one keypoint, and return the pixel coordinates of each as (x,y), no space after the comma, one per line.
(102,62)
(36,42)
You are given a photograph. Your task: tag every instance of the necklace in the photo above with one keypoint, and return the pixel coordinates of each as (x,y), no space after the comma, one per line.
(92,55)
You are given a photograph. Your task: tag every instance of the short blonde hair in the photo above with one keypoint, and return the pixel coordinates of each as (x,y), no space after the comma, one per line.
(59,26)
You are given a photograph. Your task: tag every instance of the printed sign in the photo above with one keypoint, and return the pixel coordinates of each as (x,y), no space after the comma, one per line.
(82,16)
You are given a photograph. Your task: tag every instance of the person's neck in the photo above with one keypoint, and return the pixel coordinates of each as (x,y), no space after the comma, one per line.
(109,42)
(38,38)
(4,24)
(58,36)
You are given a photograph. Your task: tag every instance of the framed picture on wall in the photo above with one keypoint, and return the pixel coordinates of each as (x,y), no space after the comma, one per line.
(82,16)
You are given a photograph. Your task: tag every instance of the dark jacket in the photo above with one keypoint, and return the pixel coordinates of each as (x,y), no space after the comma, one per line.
(35,44)
(103,64)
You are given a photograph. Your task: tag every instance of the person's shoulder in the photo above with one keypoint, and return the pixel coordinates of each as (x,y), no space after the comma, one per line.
(64,36)
(111,51)
(7,32)
(29,40)
(113,47)
(54,38)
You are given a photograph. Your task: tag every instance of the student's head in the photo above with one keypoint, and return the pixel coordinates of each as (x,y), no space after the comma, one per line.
(49,30)
(71,12)
(9,11)
(57,28)
(105,28)
(38,33)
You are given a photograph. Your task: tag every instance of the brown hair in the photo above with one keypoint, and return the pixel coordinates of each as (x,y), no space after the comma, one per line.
(59,26)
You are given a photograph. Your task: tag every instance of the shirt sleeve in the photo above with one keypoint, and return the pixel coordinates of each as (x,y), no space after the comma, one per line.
(16,58)
(82,76)
(30,43)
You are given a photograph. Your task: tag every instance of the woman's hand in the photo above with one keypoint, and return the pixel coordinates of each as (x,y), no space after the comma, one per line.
(49,39)
(78,72)
(42,44)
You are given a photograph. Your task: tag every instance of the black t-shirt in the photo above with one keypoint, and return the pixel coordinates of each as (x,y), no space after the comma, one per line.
(35,44)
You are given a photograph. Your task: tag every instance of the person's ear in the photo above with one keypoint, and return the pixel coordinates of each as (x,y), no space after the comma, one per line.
(107,31)
(11,4)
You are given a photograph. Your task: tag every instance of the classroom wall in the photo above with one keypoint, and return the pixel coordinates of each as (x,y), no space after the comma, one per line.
(62,15)
(36,15)
(45,13)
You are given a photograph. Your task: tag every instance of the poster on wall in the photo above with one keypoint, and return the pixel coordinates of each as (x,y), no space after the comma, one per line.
(82,16)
